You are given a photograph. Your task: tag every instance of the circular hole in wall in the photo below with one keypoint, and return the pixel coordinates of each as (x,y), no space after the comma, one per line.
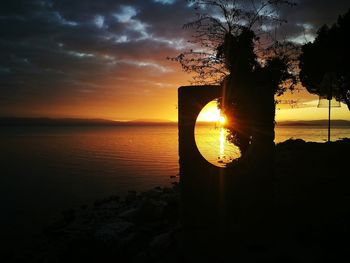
(211,136)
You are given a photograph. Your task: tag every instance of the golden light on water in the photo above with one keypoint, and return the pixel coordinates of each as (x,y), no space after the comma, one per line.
(222,143)
(211,136)
(222,119)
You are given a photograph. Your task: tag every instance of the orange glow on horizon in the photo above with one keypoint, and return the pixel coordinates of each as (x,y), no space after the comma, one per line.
(148,101)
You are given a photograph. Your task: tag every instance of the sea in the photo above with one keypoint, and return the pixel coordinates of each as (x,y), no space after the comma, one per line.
(46,170)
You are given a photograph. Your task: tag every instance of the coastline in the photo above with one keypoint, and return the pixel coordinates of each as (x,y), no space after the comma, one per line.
(311,215)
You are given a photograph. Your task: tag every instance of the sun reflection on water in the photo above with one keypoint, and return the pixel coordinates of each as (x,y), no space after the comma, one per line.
(222,141)
(211,136)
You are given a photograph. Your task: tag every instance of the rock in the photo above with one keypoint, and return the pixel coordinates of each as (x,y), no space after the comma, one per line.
(171,210)
(69,215)
(131,197)
(141,257)
(113,231)
(129,214)
(150,209)
(113,198)
(154,194)
(168,190)
(161,244)
(128,240)
(162,241)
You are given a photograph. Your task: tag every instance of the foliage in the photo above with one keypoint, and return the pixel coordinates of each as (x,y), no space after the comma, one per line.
(216,19)
(325,62)
(234,46)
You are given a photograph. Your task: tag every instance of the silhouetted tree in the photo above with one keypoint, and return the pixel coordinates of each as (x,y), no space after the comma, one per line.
(249,91)
(325,63)
(232,47)
(216,18)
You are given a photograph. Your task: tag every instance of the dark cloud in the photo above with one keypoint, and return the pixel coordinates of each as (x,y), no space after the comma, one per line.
(304,19)
(60,49)
(319,12)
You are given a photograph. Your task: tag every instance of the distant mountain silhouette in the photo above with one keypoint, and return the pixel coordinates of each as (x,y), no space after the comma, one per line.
(44,121)
(334,123)
(151,120)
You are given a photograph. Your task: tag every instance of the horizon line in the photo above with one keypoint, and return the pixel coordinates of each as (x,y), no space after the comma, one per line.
(140,120)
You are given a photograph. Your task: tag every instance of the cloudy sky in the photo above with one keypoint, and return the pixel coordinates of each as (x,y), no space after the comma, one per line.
(107,58)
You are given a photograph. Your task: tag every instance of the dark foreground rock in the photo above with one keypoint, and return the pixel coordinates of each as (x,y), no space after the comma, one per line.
(137,228)
(309,221)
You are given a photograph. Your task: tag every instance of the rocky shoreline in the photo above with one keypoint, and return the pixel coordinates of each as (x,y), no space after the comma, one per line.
(140,227)
(311,205)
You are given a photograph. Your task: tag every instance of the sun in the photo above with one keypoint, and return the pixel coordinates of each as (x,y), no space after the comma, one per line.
(211,113)
(222,119)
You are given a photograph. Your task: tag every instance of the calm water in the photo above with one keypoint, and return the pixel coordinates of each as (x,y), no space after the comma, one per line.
(46,170)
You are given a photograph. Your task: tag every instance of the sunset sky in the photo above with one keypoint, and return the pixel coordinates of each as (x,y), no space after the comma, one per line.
(107,58)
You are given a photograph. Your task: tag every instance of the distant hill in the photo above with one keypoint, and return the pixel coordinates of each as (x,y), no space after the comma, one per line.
(15,121)
(18,121)
(151,122)
(334,123)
